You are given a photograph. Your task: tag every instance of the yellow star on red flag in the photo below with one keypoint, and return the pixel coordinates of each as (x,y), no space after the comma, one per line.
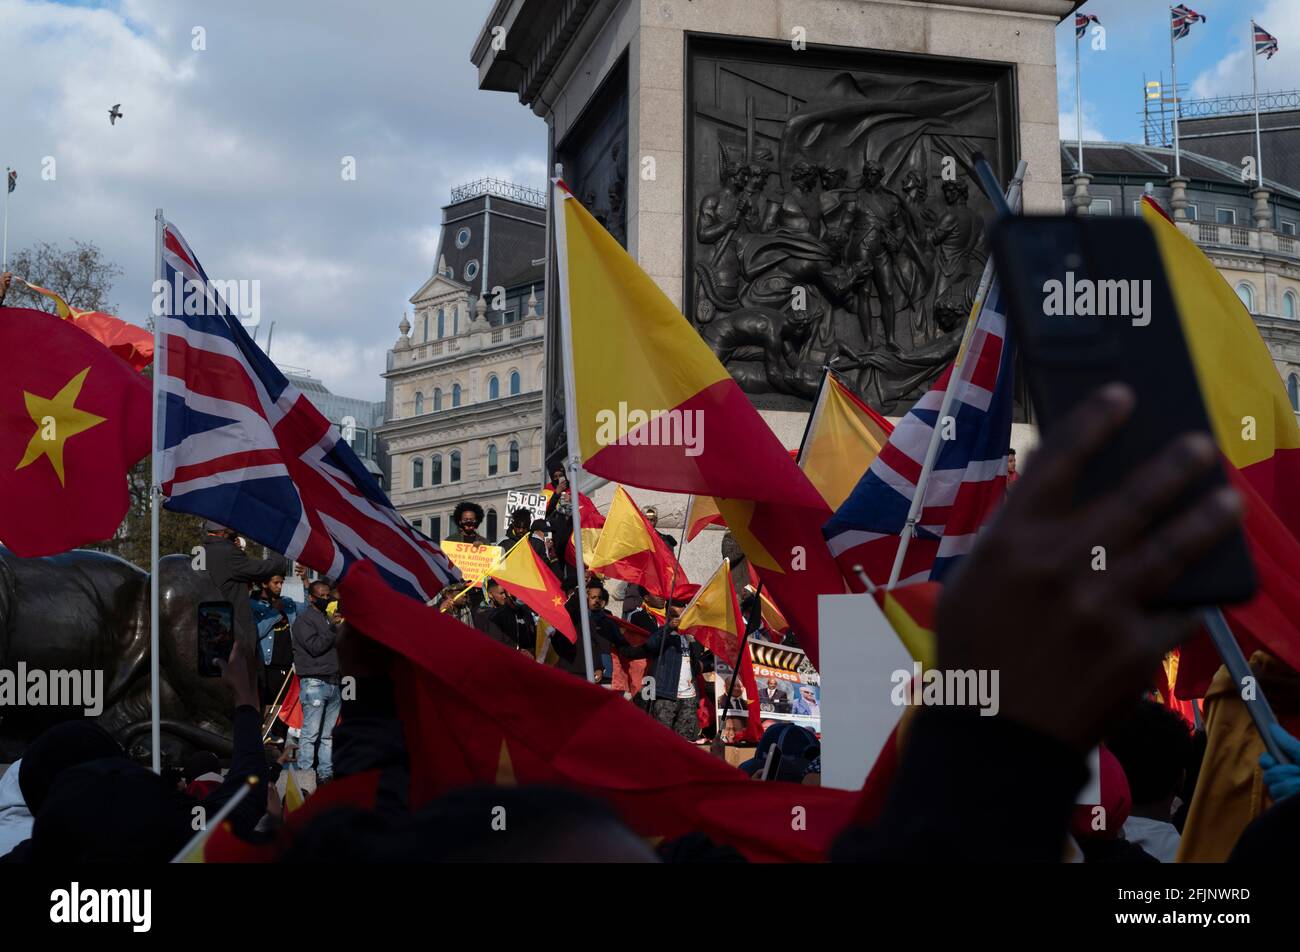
(57,419)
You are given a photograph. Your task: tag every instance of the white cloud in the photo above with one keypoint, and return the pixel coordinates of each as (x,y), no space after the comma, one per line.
(241,144)
(1231,75)
(1069,130)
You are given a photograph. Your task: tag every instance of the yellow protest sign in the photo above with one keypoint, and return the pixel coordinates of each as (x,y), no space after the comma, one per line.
(474,561)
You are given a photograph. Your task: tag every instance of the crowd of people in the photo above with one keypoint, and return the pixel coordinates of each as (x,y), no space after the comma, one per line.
(1025,603)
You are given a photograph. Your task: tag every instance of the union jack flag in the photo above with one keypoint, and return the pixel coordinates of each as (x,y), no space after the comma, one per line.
(968,480)
(1081,21)
(240,445)
(1181,19)
(1265,42)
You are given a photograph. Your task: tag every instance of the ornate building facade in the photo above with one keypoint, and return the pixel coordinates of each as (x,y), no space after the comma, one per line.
(463,412)
(1250,233)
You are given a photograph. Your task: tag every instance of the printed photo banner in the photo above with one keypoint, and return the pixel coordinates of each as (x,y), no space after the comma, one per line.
(789,690)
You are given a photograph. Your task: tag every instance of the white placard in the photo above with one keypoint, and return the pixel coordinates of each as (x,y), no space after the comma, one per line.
(859,654)
(535,502)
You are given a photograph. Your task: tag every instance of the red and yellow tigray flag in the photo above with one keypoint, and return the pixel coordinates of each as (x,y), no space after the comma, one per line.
(701,513)
(843,439)
(680,423)
(592,522)
(1259,438)
(713,618)
(631,550)
(132,343)
(524,576)
(73,421)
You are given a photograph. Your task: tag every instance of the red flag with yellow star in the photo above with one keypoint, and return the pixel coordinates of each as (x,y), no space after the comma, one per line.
(522,574)
(73,420)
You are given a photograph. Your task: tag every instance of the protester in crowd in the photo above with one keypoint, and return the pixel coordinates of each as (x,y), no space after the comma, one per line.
(1153,745)
(511,617)
(520,523)
(92,804)
(798,747)
(317,663)
(572,655)
(15,818)
(467,516)
(1097,830)
(274,614)
(5,279)
(232,572)
(1012,475)
(603,622)
(1025,603)
(674,665)
(202,774)
(652,517)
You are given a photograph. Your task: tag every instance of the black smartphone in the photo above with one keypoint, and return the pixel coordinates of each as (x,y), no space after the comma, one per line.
(1090,303)
(216,628)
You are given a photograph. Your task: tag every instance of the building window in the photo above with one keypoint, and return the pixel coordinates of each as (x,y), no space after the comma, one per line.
(417,473)
(1225,216)
(462,238)
(1191,211)
(437,399)
(1288,227)
(1288,305)
(491,524)
(492,459)
(514,383)
(1247,295)
(419,403)
(435,476)
(494,387)
(455,394)
(1099,206)
(442,324)
(455,320)
(1293,391)
(455,466)
(425,322)
(471,269)
(435,527)
(514,456)
(417,524)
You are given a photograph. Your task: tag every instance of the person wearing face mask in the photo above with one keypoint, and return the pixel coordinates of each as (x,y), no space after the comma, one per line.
(317,662)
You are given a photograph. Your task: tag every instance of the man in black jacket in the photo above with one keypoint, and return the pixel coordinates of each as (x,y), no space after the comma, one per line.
(511,617)
(317,664)
(674,670)
(232,572)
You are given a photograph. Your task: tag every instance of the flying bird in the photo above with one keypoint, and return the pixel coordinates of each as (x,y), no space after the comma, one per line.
(115,114)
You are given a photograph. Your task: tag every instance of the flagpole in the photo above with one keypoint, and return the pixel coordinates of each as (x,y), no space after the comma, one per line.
(750,623)
(1173,72)
(155,493)
(932,451)
(574,460)
(1254,78)
(1078,100)
(4,266)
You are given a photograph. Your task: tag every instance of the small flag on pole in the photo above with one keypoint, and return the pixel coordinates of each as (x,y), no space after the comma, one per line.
(1265,43)
(1081,21)
(13,173)
(1181,19)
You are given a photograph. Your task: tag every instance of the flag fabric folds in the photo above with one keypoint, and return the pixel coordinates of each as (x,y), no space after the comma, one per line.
(843,438)
(592,522)
(680,423)
(713,617)
(1265,42)
(523,575)
(74,419)
(631,550)
(132,343)
(968,480)
(700,514)
(1181,19)
(1081,21)
(470,706)
(1259,438)
(241,445)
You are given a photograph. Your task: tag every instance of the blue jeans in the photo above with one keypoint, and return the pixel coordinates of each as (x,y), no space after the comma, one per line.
(321,701)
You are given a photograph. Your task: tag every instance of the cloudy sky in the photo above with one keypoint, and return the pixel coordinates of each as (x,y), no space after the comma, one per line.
(242,145)
(242,142)
(1214,60)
